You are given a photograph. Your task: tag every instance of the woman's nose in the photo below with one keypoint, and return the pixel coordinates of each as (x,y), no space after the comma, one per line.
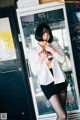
(46,37)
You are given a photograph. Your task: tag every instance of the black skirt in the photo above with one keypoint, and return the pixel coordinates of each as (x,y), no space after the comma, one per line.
(52,89)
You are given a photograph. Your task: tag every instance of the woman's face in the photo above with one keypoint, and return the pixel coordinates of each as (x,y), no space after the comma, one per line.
(46,36)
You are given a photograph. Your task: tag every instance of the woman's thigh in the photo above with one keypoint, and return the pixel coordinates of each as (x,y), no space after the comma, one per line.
(56,104)
(62,96)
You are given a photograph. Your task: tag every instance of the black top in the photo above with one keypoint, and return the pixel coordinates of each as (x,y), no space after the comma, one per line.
(51,71)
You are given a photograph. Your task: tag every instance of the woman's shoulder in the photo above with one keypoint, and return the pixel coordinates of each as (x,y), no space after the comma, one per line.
(54,43)
(32,54)
(35,50)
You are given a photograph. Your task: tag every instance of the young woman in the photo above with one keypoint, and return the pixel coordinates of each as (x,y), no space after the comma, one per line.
(46,60)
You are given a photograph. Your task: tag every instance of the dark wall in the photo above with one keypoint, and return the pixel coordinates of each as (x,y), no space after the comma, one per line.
(74,25)
(7,3)
(15,94)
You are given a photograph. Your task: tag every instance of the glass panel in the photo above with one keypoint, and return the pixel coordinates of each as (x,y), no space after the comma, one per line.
(55,19)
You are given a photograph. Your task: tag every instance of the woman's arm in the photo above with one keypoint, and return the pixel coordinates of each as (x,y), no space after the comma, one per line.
(56,51)
(36,61)
(36,67)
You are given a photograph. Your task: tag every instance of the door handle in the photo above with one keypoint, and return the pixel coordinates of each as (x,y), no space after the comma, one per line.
(13,70)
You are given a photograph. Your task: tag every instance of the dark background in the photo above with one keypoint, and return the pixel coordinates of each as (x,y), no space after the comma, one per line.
(15,94)
(72,8)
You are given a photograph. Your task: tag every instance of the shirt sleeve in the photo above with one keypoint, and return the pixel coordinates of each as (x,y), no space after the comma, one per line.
(59,54)
(36,67)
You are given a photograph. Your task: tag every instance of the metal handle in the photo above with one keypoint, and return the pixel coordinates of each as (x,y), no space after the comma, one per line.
(19,69)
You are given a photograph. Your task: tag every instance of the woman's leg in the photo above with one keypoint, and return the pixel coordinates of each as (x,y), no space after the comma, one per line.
(62,97)
(55,102)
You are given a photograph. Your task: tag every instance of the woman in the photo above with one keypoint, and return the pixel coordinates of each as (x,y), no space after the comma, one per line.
(46,60)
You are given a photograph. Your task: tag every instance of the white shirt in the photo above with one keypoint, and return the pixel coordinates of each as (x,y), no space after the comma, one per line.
(42,71)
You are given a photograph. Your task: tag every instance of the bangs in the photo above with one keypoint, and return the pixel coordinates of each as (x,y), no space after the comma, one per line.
(45,30)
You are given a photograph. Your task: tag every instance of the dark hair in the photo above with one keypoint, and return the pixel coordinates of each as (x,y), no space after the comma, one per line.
(41,28)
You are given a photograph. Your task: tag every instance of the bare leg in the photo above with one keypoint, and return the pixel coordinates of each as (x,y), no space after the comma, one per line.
(55,102)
